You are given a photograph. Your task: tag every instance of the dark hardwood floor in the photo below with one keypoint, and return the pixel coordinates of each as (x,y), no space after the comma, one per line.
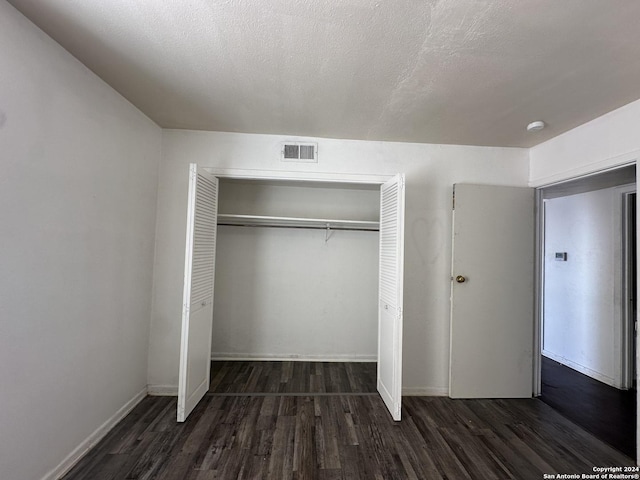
(329,436)
(293,377)
(606,412)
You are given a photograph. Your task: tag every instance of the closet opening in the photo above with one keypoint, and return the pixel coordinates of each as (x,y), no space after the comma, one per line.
(308,276)
(296,288)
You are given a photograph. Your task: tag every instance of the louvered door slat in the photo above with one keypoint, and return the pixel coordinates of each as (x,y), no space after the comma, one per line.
(204,242)
(389,247)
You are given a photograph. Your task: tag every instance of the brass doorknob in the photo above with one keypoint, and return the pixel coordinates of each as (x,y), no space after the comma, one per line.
(461,279)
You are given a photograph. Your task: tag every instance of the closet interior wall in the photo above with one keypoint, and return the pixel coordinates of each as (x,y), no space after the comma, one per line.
(285,293)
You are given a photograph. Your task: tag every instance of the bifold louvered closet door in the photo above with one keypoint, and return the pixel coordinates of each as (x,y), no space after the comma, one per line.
(197,307)
(391,294)
(197,314)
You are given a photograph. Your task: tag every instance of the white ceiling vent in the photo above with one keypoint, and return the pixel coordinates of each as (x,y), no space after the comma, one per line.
(299,152)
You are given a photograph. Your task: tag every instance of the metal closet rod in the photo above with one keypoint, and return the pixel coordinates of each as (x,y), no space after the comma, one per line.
(309,227)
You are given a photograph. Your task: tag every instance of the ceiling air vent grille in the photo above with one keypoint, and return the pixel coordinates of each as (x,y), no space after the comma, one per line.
(300,152)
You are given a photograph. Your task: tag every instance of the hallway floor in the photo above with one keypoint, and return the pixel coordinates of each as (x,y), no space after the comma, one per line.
(606,412)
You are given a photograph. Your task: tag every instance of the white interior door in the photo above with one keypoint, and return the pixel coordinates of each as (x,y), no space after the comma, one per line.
(391,294)
(492,293)
(197,306)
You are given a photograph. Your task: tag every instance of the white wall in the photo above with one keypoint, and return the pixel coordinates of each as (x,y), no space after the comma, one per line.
(430,171)
(78,188)
(607,141)
(582,296)
(300,199)
(290,293)
(284,293)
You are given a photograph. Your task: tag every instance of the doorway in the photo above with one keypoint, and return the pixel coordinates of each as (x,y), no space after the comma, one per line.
(587,303)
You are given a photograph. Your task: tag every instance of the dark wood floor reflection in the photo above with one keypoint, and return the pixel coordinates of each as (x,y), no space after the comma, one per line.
(608,413)
(331,436)
(293,377)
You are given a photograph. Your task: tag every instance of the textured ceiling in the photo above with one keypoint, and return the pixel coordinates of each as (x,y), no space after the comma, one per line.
(437,71)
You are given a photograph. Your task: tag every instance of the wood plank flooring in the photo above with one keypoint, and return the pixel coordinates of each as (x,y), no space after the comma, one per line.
(342,436)
(293,377)
(606,412)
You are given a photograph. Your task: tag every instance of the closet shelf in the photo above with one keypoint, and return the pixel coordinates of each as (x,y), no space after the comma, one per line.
(292,222)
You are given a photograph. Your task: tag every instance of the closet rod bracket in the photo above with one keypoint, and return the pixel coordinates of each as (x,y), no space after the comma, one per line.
(328,233)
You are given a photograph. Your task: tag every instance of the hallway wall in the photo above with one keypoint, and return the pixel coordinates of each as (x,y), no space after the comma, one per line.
(582,295)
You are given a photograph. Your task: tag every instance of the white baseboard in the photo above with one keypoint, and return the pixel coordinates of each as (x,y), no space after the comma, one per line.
(294,357)
(82,449)
(582,369)
(425,392)
(162,390)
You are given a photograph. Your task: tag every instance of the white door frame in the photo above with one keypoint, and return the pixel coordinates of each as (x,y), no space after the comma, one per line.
(285,176)
(538,307)
(628,331)
(625,161)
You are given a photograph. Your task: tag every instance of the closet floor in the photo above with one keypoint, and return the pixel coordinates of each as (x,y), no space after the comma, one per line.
(292,377)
